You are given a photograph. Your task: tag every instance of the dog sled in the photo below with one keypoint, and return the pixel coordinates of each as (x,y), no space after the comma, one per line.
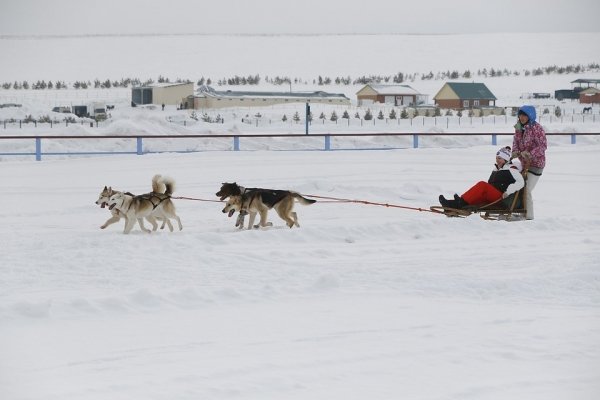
(511,208)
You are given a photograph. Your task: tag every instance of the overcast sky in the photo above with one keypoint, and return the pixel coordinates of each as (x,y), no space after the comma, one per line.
(73,17)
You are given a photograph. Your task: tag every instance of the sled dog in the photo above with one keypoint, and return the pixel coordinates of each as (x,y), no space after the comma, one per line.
(260,201)
(152,206)
(102,201)
(233,189)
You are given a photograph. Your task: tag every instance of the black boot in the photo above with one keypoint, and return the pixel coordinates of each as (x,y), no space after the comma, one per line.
(457,203)
(444,202)
(460,202)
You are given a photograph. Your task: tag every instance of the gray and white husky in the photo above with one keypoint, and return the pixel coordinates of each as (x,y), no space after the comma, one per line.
(156,205)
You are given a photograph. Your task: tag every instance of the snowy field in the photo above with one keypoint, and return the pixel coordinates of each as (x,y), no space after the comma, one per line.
(361,302)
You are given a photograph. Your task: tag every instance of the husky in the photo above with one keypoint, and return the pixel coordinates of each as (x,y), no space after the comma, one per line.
(152,206)
(233,189)
(102,201)
(260,201)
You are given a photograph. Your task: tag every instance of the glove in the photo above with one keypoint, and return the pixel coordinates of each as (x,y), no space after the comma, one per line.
(526,156)
(519,126)
(504,195)
(515,155)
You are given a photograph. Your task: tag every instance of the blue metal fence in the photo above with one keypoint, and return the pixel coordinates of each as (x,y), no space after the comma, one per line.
(237,139)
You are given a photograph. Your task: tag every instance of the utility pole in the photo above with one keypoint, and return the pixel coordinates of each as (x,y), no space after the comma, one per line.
(307,116)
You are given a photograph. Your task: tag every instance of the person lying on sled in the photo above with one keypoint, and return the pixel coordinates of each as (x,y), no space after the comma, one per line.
(505,180)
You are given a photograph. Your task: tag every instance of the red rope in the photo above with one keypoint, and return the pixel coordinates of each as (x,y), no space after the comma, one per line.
(340,200)
(332,200)
(196,199)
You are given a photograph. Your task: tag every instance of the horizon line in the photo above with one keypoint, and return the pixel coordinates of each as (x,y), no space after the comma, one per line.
(156,34)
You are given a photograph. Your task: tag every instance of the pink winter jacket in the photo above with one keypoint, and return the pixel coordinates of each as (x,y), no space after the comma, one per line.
(531,139)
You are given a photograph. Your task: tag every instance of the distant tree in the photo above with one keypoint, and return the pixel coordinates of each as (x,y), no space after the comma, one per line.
(448,113)
(345,115)
(471,113)
(25,85)
(333,116)
(296,117)
(437,112)
(380,115)
(368,116)
(404,114)
(392,114)
(357,115)
(201,81)
(459,113)
(398,78)
(322,116)
(466,74)
(284,118)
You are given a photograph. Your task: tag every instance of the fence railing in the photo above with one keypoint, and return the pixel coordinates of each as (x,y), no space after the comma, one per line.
(236,142)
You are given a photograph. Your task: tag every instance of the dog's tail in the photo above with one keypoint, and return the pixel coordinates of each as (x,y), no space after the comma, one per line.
(158,186)
(303,200)
(169,184)
(163,184)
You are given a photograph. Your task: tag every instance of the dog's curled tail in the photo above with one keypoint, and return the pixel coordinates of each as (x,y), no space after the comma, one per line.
(303,200)
(158,185)
(163,184)
(169,184)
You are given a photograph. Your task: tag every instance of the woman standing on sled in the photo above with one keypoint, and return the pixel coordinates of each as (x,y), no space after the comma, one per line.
(505,180)
(529,145)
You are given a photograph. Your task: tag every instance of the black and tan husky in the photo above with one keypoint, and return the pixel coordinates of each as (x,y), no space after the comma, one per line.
(260,201)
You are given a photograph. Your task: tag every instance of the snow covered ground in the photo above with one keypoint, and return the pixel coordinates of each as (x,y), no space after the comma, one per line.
(362,301)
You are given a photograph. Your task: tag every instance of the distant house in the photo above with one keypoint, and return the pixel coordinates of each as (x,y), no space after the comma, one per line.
(207,97)
(461,95)
(589,96)
(396,95)
(162,93)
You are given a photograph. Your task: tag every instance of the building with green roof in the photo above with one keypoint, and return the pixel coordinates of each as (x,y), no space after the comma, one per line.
(464,95)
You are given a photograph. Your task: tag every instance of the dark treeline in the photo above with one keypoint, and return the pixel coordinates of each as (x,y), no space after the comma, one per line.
(251,80)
